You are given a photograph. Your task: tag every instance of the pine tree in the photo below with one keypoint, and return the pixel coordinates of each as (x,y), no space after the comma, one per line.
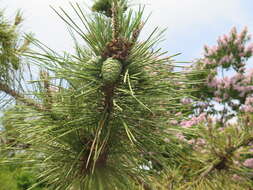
(97,119)
(111,115)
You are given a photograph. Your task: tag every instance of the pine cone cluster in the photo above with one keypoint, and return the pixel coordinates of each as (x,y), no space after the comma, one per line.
(118,49)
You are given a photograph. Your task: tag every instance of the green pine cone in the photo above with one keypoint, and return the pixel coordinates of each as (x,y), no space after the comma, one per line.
(111,70)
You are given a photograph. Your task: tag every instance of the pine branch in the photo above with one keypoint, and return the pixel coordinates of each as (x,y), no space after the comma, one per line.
(115,27)
(48,94)
(221,162)
(141,182)
(20,97)
(25,46)
(137,32)
(18,19)
(245,142)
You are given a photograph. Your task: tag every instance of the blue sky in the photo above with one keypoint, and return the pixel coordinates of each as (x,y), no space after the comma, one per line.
(190,23)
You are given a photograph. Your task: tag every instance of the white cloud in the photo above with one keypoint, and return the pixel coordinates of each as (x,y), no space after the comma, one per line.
(186,20)
(43,21)
(174,14)
(187,13)
(193,23)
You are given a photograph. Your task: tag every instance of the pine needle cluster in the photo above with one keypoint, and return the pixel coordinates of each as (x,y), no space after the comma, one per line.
(97,119)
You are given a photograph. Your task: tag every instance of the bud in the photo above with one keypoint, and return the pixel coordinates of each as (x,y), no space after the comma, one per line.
(248,163)
(18,19)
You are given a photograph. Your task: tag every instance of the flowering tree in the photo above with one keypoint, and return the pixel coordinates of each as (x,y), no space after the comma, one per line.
(225,148)
(221,95)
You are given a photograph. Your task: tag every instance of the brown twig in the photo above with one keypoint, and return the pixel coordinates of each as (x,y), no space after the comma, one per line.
(221,163)
(44,76)
(20,97)
(137,32)
(115,27)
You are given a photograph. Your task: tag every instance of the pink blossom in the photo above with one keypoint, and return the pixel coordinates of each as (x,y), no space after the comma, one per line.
(174,122)
(187,124)
(213,83)
(229,43)
(207,61)
(250,73)
(237,42)
(193,121)
(213,50)
(178,114)
(223,42)
(240,47)
(242,54)
(222,129)
(225,38)
(206,47)
(217,93)
(250,48)
(192,141)
(217,99)
(248,163)
(236,177)
(243,33)
(242,94)
(225,96)
(233,31)
(186,101)
(224,60)
(200,142)
(239,82)
(238,88)
(201,117)
(247,108)
(249,100)
(180,136)
(227,82)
